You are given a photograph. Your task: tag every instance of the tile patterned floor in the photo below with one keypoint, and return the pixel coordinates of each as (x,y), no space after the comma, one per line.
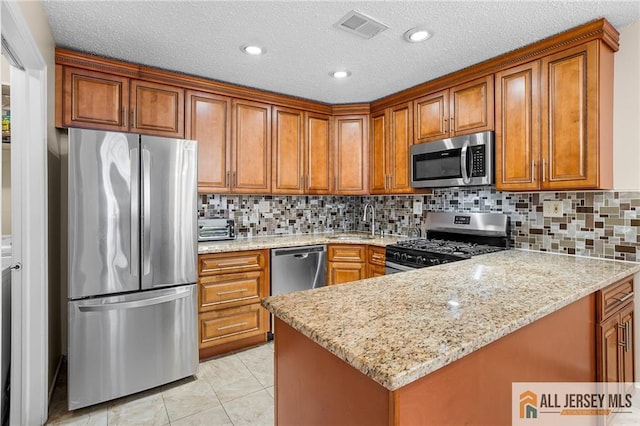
(235,389)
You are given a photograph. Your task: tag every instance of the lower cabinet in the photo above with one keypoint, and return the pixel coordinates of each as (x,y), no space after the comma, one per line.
(353,262)
(615,343)
(230,288)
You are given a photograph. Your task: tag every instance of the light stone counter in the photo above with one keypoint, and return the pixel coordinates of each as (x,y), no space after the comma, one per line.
(399,328)
(270,242)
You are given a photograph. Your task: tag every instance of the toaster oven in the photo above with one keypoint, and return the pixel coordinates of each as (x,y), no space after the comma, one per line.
(216,229)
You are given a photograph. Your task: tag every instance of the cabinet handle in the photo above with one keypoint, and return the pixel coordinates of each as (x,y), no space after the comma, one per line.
(223,293)
(627,340)
(133,118)
(624,298)
(124,116)
(444,124)
(225,327)
(235,179)
(533,171)
(227,181)
(544,167)
(452,125)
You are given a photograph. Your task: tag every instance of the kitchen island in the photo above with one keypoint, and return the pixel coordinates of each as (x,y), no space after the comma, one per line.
(439,345)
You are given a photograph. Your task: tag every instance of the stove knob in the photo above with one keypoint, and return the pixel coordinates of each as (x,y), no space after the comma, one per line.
(420,260)
(404,257)
(396,256)
(433,261)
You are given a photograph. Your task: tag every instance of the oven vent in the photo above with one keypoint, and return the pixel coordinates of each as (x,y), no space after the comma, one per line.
(360,24)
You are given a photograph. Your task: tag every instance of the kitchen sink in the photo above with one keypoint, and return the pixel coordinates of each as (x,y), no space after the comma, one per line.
(351,237)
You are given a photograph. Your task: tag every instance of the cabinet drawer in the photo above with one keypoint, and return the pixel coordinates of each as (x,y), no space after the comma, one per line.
(376,255)
(228,290)
(611,298)
(239,261)
(228,325)
(347,253)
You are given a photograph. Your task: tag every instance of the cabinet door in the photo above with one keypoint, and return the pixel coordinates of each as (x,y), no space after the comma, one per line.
(157,109)
(570,118)
(608,337)
(400,139)
(378,177)
(350,151)
(288,151)
(94,100)
(375,271)
(318,153)
(518,128)
(251,155)
(626,352)
(431,120)
(209,123)
(471,107)
(344,272)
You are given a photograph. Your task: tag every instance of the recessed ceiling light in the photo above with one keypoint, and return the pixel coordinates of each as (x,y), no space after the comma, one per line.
(340,74)
(417,34)
(253,50)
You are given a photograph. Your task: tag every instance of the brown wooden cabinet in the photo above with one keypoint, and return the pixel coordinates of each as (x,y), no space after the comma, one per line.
(94,100)
(208,121)
(568,96)
(230,289)
(251,154)
(157,109)
(615,342)
(289,175)
(390,139)
(375,261)
(102,101)
(460,110)
(318,142)
(350,154)
(346,263)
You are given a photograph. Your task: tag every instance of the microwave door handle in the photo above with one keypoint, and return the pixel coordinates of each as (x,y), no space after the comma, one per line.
(464,154)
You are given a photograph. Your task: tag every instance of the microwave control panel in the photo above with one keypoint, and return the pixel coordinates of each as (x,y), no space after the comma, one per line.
(478,161)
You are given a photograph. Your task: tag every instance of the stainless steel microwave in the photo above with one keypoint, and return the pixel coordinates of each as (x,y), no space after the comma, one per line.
(459,161)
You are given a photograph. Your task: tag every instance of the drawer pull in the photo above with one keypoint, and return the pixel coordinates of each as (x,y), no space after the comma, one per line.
(623,298)
(240,290)
(225,327)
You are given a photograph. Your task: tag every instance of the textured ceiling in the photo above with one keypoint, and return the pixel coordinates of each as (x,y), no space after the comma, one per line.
(203,38)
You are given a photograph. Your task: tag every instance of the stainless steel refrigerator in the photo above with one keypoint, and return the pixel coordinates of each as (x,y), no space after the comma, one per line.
(132,241)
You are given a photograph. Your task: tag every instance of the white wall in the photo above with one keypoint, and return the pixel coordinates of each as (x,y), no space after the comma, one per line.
(626,110)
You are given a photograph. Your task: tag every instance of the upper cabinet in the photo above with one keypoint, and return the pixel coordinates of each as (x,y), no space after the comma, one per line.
(289,176)
(391,135)
(318,141)
(96,100)
(251,153)
(208,120)
(554,122)
(460,110)
(350,154)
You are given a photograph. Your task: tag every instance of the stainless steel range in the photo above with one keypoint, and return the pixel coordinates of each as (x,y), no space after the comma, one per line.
(450,237)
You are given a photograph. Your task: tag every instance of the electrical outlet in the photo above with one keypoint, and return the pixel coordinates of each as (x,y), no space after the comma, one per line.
(552,208)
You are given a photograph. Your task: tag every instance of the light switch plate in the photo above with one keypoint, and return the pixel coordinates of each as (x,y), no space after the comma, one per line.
(417,207)
(552,208)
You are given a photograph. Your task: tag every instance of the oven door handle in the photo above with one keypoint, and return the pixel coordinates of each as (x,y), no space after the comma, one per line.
(398,267)
(464,155)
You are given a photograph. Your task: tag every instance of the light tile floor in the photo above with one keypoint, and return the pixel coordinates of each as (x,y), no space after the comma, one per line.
(235,389)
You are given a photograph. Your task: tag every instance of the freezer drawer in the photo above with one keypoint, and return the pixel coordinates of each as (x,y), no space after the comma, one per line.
(120,345)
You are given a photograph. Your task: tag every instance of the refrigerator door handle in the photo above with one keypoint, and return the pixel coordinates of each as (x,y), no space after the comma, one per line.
(134,243)
(146,211)
(113,306)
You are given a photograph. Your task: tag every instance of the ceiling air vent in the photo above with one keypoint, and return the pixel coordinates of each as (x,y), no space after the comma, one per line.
(362,25)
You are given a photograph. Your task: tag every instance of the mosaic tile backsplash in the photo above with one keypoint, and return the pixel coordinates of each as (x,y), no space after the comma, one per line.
(597,224)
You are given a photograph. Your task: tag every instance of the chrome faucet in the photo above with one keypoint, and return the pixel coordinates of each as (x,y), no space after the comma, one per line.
(373,218)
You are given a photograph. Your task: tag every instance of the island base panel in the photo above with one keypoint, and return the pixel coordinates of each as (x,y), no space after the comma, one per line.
(314,387)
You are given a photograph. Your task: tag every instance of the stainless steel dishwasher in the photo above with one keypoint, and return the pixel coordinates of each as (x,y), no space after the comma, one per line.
(298,268)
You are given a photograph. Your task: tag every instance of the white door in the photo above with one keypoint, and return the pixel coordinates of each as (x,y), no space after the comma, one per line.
(29,286)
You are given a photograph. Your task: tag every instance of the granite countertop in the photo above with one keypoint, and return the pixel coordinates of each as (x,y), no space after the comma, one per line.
(401,327)
(270,242)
